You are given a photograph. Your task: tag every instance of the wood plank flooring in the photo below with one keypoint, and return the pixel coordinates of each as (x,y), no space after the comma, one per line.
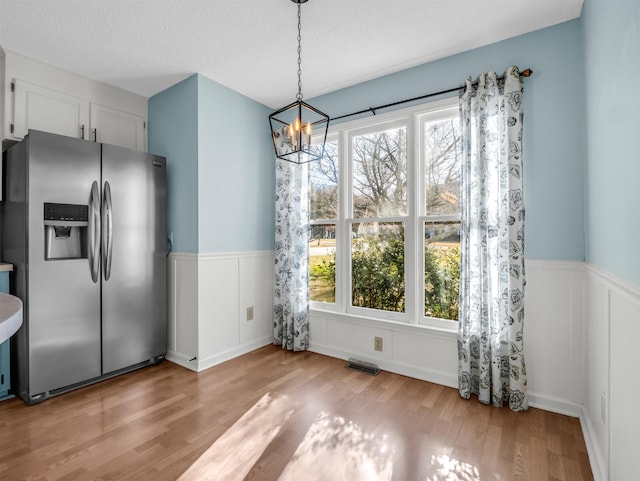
(277,415)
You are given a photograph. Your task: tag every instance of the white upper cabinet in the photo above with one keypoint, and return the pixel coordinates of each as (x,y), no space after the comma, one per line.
(116,127)
(43,97)
(40,108)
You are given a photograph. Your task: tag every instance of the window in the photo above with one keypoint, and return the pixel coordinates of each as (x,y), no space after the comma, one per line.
(323,205)
(378,204)
(385,217)
(440,156)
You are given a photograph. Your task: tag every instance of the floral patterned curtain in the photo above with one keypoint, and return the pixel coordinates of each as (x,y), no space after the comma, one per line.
(492,281)
(291,289)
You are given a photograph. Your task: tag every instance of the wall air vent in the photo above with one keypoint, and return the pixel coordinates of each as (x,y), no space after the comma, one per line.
(362,366)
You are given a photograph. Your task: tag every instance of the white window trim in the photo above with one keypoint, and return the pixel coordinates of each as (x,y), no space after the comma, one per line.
(413,118)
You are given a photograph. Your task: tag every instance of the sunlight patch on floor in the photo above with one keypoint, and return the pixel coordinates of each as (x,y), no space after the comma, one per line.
(334,448)
(234,453)
(451,469)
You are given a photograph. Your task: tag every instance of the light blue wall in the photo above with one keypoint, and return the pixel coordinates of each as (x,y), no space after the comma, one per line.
(554,154)
(173,133)
(612,65)
(236,184)
(220,167)
(224,200)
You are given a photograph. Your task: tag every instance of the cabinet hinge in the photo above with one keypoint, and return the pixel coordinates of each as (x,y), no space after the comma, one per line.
(13,86)
(144,125)
(11,128)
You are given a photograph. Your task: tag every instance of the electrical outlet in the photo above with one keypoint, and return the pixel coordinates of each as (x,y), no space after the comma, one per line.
(377,343)
(250,313)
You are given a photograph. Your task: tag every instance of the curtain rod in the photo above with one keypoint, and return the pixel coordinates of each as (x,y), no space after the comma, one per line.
(525,73)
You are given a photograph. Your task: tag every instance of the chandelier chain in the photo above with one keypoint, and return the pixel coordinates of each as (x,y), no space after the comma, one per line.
(299,95)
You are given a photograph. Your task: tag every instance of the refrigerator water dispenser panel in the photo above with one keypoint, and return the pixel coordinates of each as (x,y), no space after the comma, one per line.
(65,231)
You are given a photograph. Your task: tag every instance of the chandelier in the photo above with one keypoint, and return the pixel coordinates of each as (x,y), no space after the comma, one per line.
(295,126)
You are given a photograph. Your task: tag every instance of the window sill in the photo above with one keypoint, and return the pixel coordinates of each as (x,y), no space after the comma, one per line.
(396,326)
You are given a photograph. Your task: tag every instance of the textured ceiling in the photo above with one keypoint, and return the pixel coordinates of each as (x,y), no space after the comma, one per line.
(145,46)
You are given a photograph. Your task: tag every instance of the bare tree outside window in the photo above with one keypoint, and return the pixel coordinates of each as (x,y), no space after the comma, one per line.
(380,174)
(442,151)
(323,179)
(441,226)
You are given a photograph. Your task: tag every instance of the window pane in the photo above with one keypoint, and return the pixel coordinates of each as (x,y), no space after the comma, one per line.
(380,174)
(441,269)
(322,263)
(377,265)
(442,151)
(323,180)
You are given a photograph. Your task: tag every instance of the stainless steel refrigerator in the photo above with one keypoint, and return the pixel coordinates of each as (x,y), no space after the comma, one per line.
(85,226)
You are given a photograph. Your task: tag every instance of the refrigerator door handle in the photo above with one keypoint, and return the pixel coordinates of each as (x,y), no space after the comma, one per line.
(107,231)
(94,232)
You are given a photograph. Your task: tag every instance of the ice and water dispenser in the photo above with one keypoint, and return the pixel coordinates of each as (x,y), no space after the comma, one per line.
(65,231)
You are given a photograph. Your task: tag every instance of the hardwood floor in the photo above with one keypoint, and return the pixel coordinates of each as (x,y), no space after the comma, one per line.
(276,415)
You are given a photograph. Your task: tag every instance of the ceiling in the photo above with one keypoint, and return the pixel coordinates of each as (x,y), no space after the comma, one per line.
(145,46)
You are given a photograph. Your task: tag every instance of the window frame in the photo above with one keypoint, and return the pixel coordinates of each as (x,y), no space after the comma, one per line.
(441,110)
(364,127)
(413,118)
(330,138)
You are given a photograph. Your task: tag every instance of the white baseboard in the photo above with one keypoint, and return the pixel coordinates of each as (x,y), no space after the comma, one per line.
(548,403)
(181,360)
(554,405)
(198,365)
(596,459)
(424,374)
(219,358)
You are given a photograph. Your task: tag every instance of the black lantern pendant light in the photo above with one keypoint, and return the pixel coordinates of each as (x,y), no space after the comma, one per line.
(293,126)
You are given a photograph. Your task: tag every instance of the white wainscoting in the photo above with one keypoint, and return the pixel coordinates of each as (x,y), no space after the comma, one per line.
(207,306)
(414,351)
(554,335)
(611,418)
(554,340)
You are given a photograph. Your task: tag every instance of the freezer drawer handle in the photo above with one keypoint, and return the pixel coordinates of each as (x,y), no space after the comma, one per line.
(107,231)
(94,232)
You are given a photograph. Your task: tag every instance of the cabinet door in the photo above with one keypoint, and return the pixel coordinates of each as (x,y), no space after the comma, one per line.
(116,127)
(40,108)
